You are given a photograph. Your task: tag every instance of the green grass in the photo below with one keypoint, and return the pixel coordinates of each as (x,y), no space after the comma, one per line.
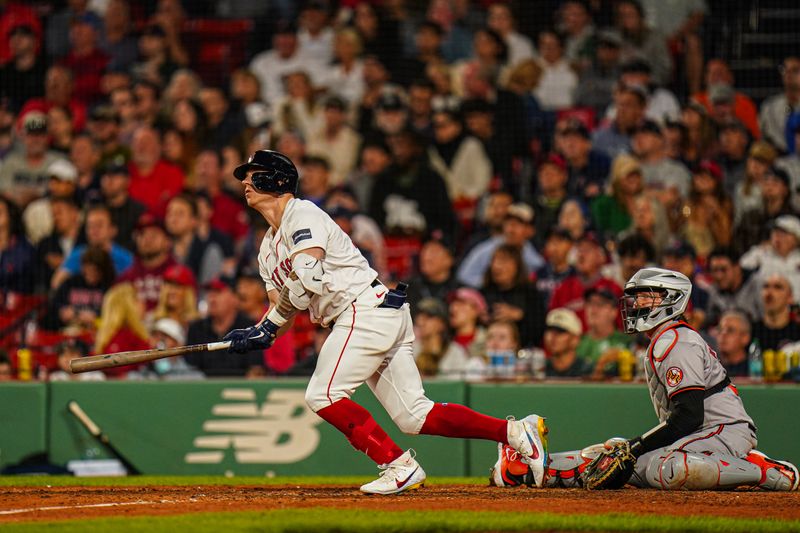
(319,520)
(69,481)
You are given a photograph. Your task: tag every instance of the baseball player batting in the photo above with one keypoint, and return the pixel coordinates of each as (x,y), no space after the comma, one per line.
(705,440)
(308,262)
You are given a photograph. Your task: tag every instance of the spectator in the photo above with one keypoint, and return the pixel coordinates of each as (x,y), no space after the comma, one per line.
(511,296)
(153,180)
(227,215)
(122,101)
(490,56)
(363,230)
(59,24)
(38,216)
(561,338)
(146,99)
(556,88)
(428,45)
(104,128)
(557,248)
(420,108)
(635,253)
(748,192)
(77,302)
(434,351)
(300,109)
(315,35)
(59,128)
(650,221)
(642,41)
(68,351)
(153,259)
(316,179)
(374,160)
(732,286)
(590,256)
(85,155)
(460,159)
(58,92)
(661,103)
(518,229)
(411,198)
(701,136)
(734,140)
(574,219)
(682,23)
(16,253)
(457,22)
(156,64)
(100,233)
(708,212)
(167,333)
(781,253)
(502,343)
(587,168)
(468,313)
(85,59)
(121,327)
(791,164)
(597,80)
(336,141)
(24,173)
(116,39)
(602,341)
(177,299)
(615,137)
(579,33)
(22,77)
(223,316)
(223,123)
(378,33)
(204,258)
(125,211)
(283,58)
(479,120)
(719,82)
(669,179)
(775,202)
(345,78)
(776,109)
(501,19)
(733,339)
(6,372)
(53,248)
(491,218)
(612,212)
(551,193)
(681,257)
(190,129)
(390,116)
(775,327)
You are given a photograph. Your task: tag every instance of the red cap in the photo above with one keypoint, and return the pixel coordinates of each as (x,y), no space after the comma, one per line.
(557,160)
(711,167)
(179,275)
(472,296)
(149,220)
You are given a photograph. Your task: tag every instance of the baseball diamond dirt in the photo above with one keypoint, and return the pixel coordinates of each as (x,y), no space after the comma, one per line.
(25,504)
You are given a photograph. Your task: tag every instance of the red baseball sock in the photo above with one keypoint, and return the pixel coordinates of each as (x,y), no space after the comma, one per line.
(361,430)
(453,420)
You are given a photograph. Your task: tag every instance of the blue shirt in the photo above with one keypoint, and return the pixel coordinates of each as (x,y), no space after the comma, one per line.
(121,258)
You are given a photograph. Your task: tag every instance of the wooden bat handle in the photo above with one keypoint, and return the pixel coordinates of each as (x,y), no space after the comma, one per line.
(110,360)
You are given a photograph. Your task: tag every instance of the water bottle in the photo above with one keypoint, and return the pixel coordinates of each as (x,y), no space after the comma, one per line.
(24,364)
(626,364)
(523,365)
(755,363)
(538,364)
(502,363)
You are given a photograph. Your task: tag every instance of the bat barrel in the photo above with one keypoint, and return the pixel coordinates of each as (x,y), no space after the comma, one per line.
(99,362)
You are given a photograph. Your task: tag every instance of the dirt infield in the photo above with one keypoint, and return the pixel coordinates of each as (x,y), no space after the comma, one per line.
(63,503)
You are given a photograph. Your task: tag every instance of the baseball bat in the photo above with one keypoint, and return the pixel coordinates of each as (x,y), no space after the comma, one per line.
(98,434)
(110,360)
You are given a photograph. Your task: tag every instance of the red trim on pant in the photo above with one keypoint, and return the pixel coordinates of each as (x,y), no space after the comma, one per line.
(453,420)
(344,346)
(712,434)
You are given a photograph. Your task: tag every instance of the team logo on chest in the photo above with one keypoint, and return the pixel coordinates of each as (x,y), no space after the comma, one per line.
(674,376)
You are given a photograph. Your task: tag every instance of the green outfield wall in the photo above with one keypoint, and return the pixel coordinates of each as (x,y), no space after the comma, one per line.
(264,427)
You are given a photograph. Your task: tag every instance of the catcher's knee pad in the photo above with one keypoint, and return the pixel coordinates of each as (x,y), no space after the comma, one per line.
(679,470)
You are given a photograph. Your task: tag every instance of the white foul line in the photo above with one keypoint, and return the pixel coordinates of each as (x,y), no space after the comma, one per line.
(87,506)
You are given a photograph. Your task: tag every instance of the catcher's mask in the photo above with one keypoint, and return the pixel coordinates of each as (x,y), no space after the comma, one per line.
(673,289)
(273,172)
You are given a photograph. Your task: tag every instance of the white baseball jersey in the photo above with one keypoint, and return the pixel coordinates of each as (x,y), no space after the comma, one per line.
(346,272)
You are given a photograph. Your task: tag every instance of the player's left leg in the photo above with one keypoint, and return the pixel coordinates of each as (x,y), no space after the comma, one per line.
(398,386)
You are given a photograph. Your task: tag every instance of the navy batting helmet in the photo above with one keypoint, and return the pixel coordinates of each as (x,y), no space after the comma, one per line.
(273,172)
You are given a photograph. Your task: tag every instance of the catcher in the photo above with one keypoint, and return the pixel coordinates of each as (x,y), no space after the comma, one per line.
(705,439)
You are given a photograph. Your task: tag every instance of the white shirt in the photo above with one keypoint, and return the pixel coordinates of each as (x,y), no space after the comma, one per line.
(318,49)
(346,273)
(557,86)
(270,68)
(520,48)
(348,85)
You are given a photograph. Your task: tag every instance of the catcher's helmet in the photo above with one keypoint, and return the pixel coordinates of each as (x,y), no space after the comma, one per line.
(274,172)
(674,288)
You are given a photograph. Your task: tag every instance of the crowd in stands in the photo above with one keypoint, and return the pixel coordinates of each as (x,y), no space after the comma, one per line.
(514,169)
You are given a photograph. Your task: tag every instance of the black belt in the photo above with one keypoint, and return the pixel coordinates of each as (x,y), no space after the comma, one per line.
(719,387)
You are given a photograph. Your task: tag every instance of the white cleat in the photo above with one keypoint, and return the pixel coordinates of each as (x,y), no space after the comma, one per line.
(529,437)
(402,474)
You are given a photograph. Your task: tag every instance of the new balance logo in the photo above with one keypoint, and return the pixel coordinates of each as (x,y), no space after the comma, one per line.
(281,430)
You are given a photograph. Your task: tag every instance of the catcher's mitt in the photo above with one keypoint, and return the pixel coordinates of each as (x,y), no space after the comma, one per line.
(611,469)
